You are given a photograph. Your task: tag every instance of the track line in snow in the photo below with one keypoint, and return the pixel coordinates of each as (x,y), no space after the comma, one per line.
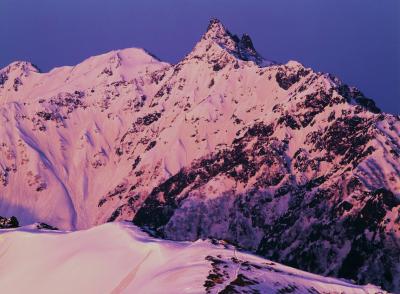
(129,277)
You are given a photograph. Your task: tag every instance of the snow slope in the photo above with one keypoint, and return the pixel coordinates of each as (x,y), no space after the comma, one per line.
(56,135)
(119,258)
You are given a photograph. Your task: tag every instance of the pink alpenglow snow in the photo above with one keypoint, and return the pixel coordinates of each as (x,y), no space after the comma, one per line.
(288,163)
(119,258)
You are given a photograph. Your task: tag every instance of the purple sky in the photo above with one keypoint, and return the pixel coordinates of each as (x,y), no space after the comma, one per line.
(357,40)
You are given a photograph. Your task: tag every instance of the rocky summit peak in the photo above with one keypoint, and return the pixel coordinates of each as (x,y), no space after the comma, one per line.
(217,31)
(215,23)
(242,48)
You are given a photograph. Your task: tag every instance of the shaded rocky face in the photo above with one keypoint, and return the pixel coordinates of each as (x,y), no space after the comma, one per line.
(276,158)
(310,212)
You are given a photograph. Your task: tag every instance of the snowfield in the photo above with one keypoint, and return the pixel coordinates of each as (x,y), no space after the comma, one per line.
(120,258)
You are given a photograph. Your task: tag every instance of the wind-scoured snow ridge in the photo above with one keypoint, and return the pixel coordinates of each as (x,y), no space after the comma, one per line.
(277,158)
(119,258)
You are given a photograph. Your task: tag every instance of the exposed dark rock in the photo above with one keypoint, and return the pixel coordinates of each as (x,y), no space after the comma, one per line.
(8,223)
(44,226)
(148,119)
(286,80)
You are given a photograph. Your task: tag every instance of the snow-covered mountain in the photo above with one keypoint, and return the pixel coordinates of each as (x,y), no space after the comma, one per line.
(119,258)
(276,158)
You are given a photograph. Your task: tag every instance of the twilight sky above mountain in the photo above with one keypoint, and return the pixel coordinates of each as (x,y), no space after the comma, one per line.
(357,40)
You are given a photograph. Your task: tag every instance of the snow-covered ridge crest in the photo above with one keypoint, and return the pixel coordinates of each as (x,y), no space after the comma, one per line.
(23,80)
(119,258)
(23,67)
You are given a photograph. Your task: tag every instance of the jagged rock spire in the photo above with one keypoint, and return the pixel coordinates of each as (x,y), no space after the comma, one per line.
(246,42)
(214,22)
(217,32)
(242,48)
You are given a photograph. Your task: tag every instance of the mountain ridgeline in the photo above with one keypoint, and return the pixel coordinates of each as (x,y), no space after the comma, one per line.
(276,158)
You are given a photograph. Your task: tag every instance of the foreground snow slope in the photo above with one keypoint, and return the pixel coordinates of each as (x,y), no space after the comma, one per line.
(119,258)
